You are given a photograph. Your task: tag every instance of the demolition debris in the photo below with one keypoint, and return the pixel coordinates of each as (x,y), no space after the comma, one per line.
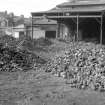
(83,65)
(13,58)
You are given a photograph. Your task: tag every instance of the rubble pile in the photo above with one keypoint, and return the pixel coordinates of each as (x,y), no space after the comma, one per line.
(14,59)
(11,41)
(83,65)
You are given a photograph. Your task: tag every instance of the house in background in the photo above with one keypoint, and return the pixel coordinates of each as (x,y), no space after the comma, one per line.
(19,31)
(4,22)
(12,25)
(19,26)
(42,27)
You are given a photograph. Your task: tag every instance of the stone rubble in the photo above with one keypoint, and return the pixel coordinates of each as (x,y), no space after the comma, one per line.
(83,65)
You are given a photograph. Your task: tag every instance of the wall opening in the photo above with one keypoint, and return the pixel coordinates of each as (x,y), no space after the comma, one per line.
(50,34)
(21,34)
(89,29)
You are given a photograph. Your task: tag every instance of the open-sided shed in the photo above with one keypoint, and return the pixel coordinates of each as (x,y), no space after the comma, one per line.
(80,20)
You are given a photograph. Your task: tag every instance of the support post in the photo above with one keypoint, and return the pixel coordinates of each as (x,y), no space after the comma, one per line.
(77,27)
(32,27)
(101,26)
(58,30)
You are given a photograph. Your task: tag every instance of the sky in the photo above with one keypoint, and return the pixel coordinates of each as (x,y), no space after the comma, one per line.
(25,7)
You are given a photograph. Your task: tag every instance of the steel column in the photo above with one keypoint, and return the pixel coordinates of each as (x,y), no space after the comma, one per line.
(101,26)
(58,30)
(77,27)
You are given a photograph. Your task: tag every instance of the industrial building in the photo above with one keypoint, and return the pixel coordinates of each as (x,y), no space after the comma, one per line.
(77,20)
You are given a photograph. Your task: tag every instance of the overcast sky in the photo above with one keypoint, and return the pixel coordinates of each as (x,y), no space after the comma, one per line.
(26,6)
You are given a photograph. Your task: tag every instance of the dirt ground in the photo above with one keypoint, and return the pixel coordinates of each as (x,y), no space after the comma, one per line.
(39,88)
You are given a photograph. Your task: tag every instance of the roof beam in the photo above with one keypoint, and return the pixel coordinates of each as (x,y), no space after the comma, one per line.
(80,16)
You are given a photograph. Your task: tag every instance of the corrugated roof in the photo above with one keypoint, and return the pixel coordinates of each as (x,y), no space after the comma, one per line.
(82,2)
(77,6)
(84,9)
(44,21)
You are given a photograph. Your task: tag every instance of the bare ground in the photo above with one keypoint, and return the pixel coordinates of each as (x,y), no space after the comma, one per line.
(39,88)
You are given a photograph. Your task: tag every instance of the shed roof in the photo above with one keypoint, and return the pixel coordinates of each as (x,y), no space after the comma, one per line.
(82,6)
(45,21)
(82,3)
(77,6)
(82,9)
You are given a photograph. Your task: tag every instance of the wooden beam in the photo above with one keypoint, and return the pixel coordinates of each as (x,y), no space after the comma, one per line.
(101,26)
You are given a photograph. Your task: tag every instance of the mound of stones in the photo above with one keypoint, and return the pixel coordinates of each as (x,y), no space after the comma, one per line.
(83,65)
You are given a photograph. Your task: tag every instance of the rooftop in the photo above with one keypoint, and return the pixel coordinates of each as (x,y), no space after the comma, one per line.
(82,3)
(76,6)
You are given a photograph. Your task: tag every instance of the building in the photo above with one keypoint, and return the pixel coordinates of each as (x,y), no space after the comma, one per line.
(42,27)
(4,22)
(19,31)
(78,19)
(11,25)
